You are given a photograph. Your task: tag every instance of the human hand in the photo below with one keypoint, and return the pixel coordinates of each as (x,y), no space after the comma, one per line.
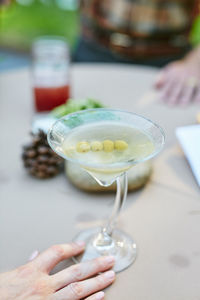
(33,282)
(179,82)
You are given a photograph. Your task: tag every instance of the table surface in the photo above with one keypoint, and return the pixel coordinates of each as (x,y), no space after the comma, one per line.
(163,217)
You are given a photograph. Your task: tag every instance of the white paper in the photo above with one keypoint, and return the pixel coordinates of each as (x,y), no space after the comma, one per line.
(189,138)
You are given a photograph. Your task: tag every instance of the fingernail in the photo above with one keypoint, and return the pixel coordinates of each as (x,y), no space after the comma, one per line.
(110,275)
(80,243)
(100,296)
(109,259)
(159,77)
(33,255)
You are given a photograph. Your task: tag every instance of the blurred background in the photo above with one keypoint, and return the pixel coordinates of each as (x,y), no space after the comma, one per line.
(103,31)
(21,21)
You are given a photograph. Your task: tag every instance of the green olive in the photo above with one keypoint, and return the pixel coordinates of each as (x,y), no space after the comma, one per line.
(83,147)
(121,145)
(108,146)
(96,146)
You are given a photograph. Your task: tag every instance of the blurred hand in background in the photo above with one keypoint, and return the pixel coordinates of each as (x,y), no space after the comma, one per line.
(179,82)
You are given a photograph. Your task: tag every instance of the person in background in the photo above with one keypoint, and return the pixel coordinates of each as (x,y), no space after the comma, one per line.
(33,282)
(144,32)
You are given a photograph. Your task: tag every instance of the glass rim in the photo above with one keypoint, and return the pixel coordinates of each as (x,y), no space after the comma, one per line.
(51,43)
(110,165)
(50,39)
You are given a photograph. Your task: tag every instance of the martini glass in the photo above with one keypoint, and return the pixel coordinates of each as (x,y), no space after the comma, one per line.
(107,143)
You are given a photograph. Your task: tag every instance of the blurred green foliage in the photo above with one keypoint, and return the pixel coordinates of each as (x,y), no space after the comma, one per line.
(20,24)
(195,32)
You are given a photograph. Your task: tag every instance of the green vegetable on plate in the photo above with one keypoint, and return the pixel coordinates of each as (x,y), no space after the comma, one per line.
(75,105)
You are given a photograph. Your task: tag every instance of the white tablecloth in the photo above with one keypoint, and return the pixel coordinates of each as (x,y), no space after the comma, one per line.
(163,218)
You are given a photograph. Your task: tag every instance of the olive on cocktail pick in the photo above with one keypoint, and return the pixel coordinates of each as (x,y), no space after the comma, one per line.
(120,145)
(83,147)
(108,146)
(96,146)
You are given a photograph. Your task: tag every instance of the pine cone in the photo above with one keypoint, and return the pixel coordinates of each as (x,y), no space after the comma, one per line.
(39,158)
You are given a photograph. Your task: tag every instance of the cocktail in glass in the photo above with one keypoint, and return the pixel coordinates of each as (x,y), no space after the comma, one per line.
(107,143)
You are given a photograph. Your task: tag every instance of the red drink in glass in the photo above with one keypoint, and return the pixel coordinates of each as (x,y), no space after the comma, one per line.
(50,73)
(47,98)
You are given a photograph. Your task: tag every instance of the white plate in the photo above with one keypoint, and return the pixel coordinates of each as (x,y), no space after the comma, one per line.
(189,138)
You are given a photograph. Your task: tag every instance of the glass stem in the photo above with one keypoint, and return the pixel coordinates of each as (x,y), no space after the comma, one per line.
(121,195)
(103,242)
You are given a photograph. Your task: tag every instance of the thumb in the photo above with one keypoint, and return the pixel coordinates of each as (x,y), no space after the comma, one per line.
(160,80)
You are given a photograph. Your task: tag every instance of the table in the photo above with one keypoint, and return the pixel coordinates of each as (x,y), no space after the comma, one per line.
(163,218)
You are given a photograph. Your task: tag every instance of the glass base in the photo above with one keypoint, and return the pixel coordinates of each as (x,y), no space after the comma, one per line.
(120,245)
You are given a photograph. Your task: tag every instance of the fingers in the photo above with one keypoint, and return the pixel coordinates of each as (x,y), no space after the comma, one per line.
(48,259)
(176,90)
(176,93)
(197,95)
(81,271)
(187,95)
(82,289)
(162,77)
(160,80)
(167,90)
(96,296)
(178,83)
